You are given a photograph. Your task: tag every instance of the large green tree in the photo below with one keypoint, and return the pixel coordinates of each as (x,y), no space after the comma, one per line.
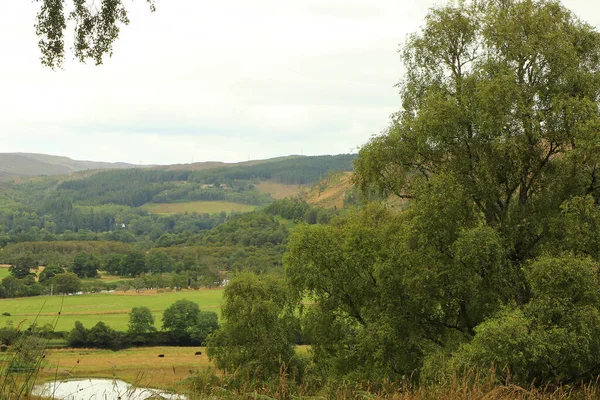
(495,150)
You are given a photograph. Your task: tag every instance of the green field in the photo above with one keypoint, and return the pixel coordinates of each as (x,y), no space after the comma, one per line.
(4,271)
(111,308)
(200,207)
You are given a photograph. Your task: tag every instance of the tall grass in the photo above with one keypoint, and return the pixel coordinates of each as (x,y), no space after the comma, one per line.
(208,384)
(19,370)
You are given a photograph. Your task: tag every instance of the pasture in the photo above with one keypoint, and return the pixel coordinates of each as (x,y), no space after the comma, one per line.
(111,308)
(140,366)
(200,207)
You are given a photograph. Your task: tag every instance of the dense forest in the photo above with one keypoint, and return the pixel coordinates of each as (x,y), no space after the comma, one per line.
(107,202)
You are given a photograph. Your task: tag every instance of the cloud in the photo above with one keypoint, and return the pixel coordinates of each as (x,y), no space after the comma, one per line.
(226,81)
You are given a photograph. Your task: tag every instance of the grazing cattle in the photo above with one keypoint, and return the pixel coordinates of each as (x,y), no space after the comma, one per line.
(161,356)
(198,353)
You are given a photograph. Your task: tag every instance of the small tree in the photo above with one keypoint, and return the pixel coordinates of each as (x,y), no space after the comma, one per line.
(141,321)
(258,332)
(102,335)
(13,287)
(78,337)
(133,264)
(21,267)
(158,261)
(66,283)
(49,272)
(179,318)
(85,265)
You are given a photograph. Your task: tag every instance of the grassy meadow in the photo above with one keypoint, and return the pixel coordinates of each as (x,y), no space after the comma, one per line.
(200,207)
(111,308)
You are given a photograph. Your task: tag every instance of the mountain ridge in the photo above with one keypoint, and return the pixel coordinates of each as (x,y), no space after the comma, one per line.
(16,165)
(25,165)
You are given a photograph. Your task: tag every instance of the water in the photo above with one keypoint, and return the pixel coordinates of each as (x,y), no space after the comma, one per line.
(99,389)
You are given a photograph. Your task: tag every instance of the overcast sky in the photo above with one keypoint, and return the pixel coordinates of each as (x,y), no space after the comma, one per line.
(214,80)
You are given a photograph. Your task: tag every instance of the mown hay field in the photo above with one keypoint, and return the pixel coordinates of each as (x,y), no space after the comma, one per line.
(200,207)
(111,308)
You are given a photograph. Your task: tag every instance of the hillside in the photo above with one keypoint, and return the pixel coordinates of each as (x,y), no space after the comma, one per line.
(122,204)
(14,165)
(330,192)
(219,164)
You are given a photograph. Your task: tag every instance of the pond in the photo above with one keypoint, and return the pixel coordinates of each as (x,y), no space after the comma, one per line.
(100,389)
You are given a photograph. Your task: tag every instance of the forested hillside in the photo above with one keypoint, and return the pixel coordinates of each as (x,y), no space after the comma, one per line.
(83,223)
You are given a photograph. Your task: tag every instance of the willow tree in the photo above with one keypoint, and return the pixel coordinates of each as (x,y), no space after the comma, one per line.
(497,149)
(97,26)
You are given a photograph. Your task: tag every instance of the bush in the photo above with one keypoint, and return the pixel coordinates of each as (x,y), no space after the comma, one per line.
(555,338)
(78,337)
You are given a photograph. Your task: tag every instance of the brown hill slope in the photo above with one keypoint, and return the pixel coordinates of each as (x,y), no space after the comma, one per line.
(331,191)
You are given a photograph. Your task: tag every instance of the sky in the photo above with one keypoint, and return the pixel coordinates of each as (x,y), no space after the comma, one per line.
(228,80)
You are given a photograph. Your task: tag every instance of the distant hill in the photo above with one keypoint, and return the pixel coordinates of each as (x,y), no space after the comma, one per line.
(14,165)
(219,164)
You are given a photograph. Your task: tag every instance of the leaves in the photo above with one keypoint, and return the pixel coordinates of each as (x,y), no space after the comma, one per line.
(97,27)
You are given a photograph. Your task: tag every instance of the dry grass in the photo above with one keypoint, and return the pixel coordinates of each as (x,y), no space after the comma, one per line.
(140,365)
(330,192)
(278,190)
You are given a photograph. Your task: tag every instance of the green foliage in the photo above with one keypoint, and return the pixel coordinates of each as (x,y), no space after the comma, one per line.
(207,324)
(299,211)
(554,338)
(141,320)
(179,318)
(257,336)
(133,264)
(66,283)
(103,336)
(291,170)
(85,265)
(158,262)
(21,267)
(495,149)
(78,337)
(96,29)
(249,229)
(49,272)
